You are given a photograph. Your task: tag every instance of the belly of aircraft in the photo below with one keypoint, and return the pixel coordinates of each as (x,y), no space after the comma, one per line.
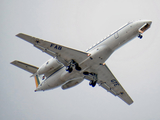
(58,79)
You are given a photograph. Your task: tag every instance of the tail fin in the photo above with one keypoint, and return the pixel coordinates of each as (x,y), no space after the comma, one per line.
(31,69)
(38,79)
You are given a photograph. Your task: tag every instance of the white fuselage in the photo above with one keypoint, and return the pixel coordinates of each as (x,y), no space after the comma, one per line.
(97,54)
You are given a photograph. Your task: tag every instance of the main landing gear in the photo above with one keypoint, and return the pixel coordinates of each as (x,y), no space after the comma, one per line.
(94,77)
(71,65)
(140,36)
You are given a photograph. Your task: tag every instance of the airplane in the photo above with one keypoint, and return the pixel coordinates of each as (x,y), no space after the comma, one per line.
(69,67)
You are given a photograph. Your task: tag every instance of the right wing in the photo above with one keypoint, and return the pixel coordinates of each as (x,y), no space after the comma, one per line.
(108,81)
(25,66)
(111,84)
(62,53)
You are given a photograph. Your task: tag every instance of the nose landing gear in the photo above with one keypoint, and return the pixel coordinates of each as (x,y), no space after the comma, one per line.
(140,36)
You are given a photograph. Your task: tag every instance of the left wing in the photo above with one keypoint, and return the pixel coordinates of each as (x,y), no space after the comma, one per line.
(107,80)
(62,53)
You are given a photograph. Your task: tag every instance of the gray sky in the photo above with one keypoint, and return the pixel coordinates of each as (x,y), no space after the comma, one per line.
(79,24)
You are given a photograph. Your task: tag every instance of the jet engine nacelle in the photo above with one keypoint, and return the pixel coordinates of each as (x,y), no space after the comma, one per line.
(49,66)
(72,83)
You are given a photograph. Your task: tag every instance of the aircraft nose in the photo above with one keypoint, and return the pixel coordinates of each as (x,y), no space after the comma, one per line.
(149,22)
(146,25)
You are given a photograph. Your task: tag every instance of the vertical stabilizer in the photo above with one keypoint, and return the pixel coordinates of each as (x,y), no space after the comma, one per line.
(37,80)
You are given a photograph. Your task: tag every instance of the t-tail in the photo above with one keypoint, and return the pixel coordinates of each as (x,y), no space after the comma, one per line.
(29,68)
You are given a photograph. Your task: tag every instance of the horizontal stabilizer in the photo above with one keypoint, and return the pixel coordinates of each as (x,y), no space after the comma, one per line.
(25,66)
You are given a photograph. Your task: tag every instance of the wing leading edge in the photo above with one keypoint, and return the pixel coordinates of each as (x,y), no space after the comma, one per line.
(62,53)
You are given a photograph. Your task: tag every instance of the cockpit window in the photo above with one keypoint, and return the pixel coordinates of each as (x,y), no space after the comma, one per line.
(144,28)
